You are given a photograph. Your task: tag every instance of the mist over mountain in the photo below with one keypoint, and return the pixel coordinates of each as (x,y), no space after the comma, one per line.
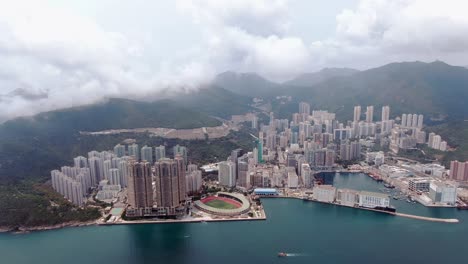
(307,79)
(434,89)
(247,84)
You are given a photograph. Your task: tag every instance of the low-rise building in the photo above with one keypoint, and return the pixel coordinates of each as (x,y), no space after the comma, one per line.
(419,185)
(373,200)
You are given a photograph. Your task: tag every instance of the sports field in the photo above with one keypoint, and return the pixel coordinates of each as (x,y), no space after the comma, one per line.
(221,203)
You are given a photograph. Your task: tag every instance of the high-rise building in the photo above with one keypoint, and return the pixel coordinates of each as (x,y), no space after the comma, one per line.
(96,167)
(123,172)
(436,142)
(194,181)
(140,190)
(114,177)
(170,182)
(242,173)
(459,171)
(159,153)
(254,122)
(430,141)
(134,151)
(147,154)
(80,162)
(107,166)
(271,140)
(304,108)
(180,150)
(420,121)
(357,113)
(415,120)
(385,113)
(119,150)
(227,173)
(403,120)
(370,114)
(409,120)
(69,187)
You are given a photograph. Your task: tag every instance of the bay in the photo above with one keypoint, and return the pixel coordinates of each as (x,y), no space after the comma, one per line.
(310,232)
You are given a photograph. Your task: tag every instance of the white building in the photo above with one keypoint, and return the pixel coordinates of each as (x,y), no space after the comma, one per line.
(227,173)
(293,180)
(347,197)
(324,193)
(194,181)
(444,193)
(372,200)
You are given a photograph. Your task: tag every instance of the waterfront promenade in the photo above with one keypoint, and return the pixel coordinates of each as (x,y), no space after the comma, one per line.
(424,218)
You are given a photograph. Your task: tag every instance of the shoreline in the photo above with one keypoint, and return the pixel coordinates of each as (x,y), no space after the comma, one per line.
(418,217)
(26,230)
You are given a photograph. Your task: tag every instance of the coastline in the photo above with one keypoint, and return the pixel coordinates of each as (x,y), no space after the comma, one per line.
(25,229)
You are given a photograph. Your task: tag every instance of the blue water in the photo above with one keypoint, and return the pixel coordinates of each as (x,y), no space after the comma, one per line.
(311,232)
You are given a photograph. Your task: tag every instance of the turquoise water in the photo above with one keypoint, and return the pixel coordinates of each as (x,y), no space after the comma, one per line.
(309,232)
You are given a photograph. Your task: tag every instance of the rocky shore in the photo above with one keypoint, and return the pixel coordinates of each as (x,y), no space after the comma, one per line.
(28,229)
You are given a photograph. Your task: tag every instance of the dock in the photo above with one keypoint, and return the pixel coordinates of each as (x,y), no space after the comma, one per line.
(432,219)
(424,218)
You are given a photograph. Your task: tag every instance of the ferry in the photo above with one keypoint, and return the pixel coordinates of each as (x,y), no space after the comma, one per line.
(282,254)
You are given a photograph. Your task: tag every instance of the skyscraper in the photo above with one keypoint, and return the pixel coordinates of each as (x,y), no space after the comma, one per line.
(96,167)
(80,162)
(147,154)
(180,150)
(170,182)
(159,153)
(134,151)
(357,113)
(304,108)
(107,166)
(420,121)
(119,150)
(415,120)
(370,114)
(385,113)
(140,190)
(403,120)
(227,173)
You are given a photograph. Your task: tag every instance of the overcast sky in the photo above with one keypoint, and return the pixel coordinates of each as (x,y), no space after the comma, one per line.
(59,53)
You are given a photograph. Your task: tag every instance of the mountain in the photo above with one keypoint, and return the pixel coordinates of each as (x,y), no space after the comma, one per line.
(247,84)
(215,101)
(308,79)
(30,146)
(434,89)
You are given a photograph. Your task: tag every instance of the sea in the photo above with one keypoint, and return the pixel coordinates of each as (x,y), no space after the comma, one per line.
(308,232)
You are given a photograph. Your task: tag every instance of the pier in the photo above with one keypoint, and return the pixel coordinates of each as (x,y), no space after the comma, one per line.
(432,219)
(424,218)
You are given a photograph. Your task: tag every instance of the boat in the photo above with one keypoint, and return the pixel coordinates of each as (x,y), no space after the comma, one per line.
(282,254)
(389,186)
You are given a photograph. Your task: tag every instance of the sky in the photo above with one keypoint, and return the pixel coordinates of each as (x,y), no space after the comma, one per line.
(63,53)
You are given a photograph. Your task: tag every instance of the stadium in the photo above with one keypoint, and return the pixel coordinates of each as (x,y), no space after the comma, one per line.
(224,204)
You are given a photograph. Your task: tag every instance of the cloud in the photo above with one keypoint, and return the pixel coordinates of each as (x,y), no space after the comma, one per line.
(380,31)
(249,36)
(53,57)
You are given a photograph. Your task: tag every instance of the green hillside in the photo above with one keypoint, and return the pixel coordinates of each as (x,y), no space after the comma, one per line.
(433,89)
(216,101)
(30,146)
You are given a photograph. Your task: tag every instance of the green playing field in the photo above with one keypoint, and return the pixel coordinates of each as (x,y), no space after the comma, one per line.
(220,204)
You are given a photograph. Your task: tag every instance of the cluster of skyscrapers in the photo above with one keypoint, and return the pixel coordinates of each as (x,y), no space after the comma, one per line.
(157,186)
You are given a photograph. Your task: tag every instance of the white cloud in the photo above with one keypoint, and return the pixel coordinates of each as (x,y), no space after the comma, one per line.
(54,57)
(381,31)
